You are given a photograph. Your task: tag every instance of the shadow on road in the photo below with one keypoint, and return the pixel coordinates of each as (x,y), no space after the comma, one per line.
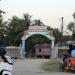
(72,71)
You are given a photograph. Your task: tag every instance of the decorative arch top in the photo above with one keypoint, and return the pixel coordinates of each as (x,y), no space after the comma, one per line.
(42,30)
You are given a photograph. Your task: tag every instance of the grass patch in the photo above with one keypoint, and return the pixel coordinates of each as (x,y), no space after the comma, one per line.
(52,65)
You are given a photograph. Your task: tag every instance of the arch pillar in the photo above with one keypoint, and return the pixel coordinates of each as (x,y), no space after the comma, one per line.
(22,52)
(53,51)
(52,43)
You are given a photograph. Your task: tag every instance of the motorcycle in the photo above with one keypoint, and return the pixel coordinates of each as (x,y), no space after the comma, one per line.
(67,65)
(6,65)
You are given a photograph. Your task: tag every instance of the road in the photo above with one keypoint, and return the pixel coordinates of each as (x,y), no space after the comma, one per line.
(33,67)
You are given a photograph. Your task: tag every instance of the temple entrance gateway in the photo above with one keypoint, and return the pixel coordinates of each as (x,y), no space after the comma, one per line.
(40,30)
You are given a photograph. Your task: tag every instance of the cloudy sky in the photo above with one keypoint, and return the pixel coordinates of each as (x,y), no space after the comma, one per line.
(48,11)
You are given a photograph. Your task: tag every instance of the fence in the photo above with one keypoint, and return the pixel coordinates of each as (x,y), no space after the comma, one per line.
(13,51)
(62,51)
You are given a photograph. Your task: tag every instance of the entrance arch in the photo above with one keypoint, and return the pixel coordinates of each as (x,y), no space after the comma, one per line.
(40,30)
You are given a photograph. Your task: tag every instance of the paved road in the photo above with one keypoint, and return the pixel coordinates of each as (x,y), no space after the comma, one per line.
(32,67)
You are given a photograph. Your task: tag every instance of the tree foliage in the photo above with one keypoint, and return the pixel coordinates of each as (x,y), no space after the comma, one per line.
(27,20)
(37,39)
(16,26)
(2,23)
(57,34)
(2,27)
(71,27)
(74,15)
(37,23)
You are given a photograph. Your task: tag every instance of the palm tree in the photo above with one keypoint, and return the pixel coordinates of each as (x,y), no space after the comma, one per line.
(37,23)
(27,20)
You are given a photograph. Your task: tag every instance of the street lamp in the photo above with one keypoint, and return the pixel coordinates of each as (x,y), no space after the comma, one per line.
(62,31)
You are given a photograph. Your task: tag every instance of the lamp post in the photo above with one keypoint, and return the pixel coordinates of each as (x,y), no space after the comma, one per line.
(62,31)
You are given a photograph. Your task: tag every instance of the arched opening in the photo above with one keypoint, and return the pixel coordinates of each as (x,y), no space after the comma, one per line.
(38,45)
(30,34)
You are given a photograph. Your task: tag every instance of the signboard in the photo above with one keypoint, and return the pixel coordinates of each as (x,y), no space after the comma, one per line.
(37,27)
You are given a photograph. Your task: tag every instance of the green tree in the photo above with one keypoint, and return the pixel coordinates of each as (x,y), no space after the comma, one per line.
(37,39)
(49,28)
(15,28)
(71,27)
(56,34)
(2,27)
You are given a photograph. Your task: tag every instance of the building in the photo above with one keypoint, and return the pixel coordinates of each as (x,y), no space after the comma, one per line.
(43,50)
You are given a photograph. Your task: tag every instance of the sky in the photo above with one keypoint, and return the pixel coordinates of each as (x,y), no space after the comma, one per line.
(48,11)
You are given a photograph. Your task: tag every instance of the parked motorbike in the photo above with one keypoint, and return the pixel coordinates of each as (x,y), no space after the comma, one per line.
(6,65)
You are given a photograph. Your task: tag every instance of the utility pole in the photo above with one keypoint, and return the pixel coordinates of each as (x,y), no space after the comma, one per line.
(62,31)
